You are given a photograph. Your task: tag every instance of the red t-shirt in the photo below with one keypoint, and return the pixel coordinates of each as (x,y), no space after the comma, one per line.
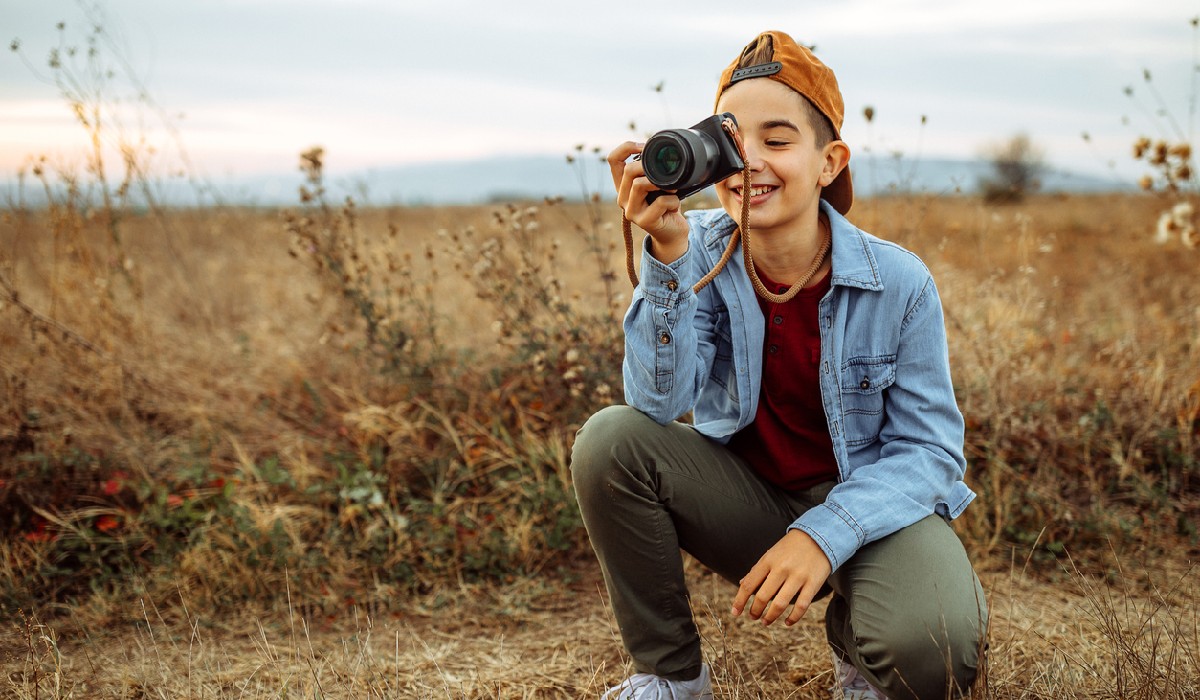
(788,443)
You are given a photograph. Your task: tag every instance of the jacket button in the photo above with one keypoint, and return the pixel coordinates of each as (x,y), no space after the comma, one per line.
(864,384)
(665,339)
(672,285)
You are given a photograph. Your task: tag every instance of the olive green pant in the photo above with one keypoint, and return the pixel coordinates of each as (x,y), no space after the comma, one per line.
(907,610)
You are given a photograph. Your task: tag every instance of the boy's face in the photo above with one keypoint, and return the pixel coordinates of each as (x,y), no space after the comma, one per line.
(787,169)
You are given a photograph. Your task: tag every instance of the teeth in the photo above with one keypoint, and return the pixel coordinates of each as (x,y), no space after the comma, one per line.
(755,191)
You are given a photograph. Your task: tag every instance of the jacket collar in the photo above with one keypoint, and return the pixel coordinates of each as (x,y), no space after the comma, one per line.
(854,263)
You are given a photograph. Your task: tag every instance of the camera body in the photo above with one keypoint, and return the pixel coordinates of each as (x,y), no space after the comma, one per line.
(685,161)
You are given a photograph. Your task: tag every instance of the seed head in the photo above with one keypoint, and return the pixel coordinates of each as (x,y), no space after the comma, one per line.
(1189,237)
(1164,229)
(1183,214)
(1159,156)
(869,114)
(1182,151)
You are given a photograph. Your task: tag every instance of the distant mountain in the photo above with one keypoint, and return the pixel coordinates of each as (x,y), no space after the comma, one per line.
(535,177)
(873,176)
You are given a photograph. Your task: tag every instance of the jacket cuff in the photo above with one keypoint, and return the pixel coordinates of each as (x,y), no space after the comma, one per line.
(834,530)
(662,283)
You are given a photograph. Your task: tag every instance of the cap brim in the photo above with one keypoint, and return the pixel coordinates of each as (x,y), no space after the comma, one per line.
(840,192)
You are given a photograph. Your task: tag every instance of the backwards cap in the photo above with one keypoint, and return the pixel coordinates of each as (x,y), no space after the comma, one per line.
(796,67)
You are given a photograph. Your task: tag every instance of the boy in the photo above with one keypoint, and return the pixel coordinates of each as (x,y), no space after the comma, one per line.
(825,453)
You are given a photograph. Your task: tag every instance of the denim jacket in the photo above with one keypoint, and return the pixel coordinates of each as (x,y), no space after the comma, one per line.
(885,374)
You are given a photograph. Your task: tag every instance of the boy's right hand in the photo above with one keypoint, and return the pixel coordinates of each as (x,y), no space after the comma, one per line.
(662,218)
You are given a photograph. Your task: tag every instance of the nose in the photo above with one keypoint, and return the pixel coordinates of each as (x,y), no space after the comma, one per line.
(752,158)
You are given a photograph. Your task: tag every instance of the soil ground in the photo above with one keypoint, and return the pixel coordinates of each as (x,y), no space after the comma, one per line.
(554,637)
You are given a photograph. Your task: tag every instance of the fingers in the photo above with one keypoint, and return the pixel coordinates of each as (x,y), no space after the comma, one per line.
(629,178)
(767,595)
(780,601)
(617,166)
(749,585)
(788,575)
(803,602)
(775,595)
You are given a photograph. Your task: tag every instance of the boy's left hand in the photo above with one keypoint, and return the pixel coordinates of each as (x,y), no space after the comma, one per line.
(794,568)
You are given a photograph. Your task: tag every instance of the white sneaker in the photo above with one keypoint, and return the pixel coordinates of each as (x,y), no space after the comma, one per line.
(647,686)
(851,684)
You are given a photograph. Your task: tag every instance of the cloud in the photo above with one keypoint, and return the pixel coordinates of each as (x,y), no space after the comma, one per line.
(377,80)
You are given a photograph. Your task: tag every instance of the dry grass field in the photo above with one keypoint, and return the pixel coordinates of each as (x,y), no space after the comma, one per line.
(324,453)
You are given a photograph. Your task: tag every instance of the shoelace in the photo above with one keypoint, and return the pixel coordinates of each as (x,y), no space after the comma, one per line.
(635,685)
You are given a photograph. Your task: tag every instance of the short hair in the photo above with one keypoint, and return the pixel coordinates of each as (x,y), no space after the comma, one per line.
(762,50)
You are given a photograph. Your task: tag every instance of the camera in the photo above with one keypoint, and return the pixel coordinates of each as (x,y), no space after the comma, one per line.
(686,161)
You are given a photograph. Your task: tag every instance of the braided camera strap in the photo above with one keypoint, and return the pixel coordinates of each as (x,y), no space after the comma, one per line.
(744,229)
(627,230)
(761,289)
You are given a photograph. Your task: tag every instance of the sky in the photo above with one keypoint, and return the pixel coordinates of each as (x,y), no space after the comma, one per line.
(246,85)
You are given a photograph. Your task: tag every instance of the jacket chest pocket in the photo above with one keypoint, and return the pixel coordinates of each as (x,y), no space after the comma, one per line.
(864,383)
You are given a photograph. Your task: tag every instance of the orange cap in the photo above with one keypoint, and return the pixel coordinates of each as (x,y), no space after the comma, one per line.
(796,66)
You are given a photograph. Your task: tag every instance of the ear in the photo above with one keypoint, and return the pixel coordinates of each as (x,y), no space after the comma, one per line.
(837,156)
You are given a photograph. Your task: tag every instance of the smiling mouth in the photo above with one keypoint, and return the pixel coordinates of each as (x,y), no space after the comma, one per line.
(756,190)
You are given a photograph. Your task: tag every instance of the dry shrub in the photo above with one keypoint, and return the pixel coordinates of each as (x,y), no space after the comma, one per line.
(234,432)
(1074,346)
(250,426)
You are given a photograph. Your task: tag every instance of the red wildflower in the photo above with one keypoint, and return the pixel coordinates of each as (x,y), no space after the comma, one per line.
(39,534)
(111,487)
(105,523)
(174,500)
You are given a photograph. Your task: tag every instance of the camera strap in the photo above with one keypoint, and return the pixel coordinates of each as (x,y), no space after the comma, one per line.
(741,233)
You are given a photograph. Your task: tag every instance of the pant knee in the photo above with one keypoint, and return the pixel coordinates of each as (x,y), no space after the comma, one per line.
(606,440)
(929,663)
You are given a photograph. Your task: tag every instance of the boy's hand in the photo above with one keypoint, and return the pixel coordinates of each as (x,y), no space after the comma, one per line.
(660,218)
(794,568)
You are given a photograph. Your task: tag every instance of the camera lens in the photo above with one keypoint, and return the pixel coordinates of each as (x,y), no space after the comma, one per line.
(677,158)
(667,159)
(685,161)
